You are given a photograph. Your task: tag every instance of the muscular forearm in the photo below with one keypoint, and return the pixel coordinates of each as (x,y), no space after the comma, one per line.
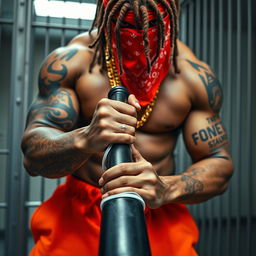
(200,182)
(52,153)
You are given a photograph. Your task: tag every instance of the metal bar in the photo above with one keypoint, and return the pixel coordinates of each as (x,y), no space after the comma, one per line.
(5,21)
(3,205)
(27,92)
(203,242)
(15,195)
(191,16)
(249,126)
(198,54)
(184,3)
(59,26)
(183,22)
(205,28)
(237,137)
(198,28)
(46,52)
(33,203)
(229,117)
(220,73)
(212,63)
(4,152)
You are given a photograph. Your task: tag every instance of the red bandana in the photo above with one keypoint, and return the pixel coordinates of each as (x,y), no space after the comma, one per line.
(135,74)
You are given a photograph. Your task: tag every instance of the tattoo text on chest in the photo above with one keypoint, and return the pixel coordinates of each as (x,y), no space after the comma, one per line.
(192,185)
(212,85)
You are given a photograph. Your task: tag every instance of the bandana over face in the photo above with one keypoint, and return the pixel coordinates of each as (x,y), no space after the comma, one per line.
(135,76)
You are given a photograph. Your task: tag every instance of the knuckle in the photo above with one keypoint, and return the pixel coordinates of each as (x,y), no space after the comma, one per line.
(105,135)
(147,165)
(134,121)
(122,167)
(130,139)
(151,179)
(152,195)
(103,124)
(133,111)
(123,181)
(103,112)
(103,102)
(133,130)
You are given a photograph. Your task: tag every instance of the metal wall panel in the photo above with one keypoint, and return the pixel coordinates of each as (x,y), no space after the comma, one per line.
(223,35)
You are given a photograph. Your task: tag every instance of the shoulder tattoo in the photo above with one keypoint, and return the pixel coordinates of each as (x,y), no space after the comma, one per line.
(57,111)
(212,85)
(58,72)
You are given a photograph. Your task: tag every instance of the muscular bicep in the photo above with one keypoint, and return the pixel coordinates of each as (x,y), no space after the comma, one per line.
(58,110)
(56,105)
(205,136)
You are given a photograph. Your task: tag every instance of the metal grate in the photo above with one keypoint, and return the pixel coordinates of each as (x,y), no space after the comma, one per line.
(222,33)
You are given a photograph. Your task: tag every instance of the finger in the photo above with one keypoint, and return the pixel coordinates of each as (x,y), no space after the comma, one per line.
(124,108)
(124,169)
(132,100)
(139,191)
(123,181)
(124,128)
(125,119)
(119,138)
(136,154)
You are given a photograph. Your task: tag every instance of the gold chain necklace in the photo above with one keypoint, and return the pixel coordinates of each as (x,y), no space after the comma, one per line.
(114,80)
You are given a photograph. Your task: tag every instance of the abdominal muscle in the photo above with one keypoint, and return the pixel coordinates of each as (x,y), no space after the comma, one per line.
(156,149)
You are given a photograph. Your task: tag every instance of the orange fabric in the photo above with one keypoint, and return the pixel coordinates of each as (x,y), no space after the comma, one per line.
(68,224)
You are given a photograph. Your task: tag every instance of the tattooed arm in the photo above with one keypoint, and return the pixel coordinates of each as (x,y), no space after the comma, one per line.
(48,142)
(52,144)
(205,138)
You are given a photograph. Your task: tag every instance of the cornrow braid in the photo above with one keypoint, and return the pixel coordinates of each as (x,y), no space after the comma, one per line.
(176,28)
(137,13)
(144,13)
(116,8)
(161,28)
(98,13)
(104,17)
(123,11)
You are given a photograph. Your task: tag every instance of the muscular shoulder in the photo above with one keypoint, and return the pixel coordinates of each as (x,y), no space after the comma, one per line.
(64,65)
(200,80)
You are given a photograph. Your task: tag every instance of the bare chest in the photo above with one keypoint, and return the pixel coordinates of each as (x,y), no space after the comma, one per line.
(171,108)
(157,138)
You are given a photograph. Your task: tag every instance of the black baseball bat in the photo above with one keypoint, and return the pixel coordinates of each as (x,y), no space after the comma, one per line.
(123,227)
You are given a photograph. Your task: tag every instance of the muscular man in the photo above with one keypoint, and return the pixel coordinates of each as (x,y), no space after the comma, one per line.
(71,123)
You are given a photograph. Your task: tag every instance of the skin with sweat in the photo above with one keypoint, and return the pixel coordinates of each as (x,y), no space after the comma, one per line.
(71,122)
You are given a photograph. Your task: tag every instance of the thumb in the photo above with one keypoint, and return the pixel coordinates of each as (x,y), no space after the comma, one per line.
(132,100)
(136,154)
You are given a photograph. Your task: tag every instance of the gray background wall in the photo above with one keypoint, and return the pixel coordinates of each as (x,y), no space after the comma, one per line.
(220,32)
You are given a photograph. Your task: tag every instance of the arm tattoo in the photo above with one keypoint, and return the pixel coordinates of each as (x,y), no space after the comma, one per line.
(47,86)
(54,106)
(192,185)
(212,86)
(55,111)
(214,134)
(56,158)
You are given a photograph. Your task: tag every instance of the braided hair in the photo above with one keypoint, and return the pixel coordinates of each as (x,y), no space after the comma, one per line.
(104,16)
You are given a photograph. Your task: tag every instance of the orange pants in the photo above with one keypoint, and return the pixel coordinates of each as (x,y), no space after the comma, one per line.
(68,224)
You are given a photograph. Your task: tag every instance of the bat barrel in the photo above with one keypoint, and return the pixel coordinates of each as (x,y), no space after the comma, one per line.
(123,228)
